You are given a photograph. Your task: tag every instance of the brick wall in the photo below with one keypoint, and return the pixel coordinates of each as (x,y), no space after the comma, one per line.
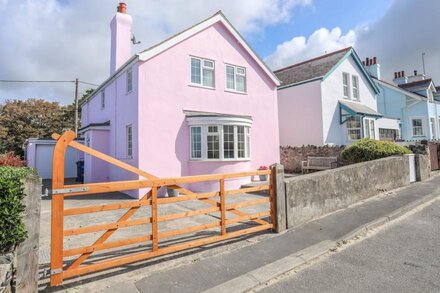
(291,157)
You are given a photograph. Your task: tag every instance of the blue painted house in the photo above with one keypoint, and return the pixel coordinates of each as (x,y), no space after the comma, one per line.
(414,100)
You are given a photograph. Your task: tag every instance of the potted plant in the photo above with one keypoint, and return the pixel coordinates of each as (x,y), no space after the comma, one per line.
(263,177)
(172,192)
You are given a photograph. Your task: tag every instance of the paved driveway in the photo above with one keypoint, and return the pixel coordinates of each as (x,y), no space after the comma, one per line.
(97,218)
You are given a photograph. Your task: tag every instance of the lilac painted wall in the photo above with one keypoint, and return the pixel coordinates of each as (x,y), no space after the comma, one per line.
(165,92)
(300,114)
(154,108)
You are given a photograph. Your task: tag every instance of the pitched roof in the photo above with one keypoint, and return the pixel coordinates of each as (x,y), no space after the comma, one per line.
(187,33)
(417,85)
(396,88)
(358,108)
(311,69)
(181,36)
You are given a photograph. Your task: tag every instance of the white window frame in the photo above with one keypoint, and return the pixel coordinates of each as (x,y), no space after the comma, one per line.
(102,99)
(129,80)
(421,126)
(432,126)
(220,133)
(202,66)
(192,143)
(129,140)
(235,67)
(355,89)
(370,131)
(354,128)
(348,96)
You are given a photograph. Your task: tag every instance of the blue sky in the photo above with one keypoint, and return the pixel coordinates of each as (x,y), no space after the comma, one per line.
(345,14)
(65,39)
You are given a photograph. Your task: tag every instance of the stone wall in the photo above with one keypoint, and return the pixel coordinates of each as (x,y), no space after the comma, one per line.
(291,157)
(19,270)
(313,195)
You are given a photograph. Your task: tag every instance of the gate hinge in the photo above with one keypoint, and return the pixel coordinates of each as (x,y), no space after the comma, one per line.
(69,190)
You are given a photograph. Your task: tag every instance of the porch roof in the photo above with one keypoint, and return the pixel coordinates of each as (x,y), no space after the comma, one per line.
(190,113)
(356,109)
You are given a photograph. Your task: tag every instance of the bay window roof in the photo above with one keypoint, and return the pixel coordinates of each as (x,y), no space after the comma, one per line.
(348,109)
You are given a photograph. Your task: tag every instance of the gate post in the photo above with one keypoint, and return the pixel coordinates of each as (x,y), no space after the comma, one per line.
(277,184)
(57,217)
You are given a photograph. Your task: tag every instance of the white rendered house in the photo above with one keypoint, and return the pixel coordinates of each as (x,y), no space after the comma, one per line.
(328,100)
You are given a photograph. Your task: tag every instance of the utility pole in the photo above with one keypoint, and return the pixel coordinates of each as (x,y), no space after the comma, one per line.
(76,106)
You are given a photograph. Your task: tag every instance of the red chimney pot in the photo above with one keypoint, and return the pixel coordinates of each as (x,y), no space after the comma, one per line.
(122,8)
(374,60)
(403,73)
(367,61)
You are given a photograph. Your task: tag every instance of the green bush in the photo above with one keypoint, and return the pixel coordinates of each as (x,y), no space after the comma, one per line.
(369,149)
(12,230)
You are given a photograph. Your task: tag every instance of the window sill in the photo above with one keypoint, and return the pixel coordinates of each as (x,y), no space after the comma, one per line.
(201,86)
(127,93)
(235,92)
(218,160)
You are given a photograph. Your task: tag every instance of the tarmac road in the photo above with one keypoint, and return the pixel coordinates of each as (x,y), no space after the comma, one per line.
(402,257)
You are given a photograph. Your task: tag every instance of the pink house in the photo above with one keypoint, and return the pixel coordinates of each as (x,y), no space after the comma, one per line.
(200,102)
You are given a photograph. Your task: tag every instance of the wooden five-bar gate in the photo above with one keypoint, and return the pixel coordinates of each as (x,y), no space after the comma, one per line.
(61,269)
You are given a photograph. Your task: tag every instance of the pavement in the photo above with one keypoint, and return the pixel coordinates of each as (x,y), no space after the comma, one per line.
(402,257)
(251,266)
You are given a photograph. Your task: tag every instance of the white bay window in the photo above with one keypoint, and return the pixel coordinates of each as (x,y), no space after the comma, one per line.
(220,142)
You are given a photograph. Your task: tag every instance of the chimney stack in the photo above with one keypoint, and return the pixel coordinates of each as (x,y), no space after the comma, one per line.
(120,38)
(122,8)
(400,78)
(372,67)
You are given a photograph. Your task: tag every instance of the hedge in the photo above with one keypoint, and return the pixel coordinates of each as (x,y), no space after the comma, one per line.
(12,229)
(9,159)
(369,149)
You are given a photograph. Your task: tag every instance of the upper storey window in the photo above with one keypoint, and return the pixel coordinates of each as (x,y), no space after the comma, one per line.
(236,78)
(202,72)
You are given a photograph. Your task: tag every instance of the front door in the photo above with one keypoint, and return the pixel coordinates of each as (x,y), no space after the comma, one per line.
(369,128)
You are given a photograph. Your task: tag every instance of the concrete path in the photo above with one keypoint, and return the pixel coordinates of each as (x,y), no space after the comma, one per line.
(244,268)
(402,257)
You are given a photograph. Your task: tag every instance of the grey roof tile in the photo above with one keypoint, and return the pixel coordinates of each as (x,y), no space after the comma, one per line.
(310,69)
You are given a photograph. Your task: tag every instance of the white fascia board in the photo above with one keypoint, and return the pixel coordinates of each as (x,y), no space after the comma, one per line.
(144,56)
(218,121)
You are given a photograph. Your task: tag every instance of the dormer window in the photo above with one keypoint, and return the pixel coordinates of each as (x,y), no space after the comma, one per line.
(202,72)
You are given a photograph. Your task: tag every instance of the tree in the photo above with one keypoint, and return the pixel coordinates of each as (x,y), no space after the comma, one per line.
(20,120)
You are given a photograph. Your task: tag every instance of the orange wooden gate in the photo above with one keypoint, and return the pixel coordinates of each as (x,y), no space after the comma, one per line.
(61,269)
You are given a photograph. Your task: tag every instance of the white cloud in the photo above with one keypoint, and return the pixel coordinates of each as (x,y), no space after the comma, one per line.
(52,40)
(397,39)
(302,48)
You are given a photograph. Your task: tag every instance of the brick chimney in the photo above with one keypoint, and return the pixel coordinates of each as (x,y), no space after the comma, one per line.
(120,38)
(372,67)
(400,77)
